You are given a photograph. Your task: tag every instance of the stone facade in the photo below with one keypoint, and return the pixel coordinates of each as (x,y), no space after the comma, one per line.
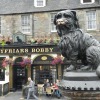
(10,24)
(41,24)
(82,21)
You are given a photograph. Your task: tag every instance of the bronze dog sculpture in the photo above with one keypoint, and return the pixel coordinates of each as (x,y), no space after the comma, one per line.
(75,44)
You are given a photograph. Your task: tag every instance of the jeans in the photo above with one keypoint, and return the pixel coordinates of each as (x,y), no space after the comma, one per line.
(57,93)
(31,92)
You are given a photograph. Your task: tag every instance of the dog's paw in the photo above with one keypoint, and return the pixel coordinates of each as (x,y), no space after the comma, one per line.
(70,68)
(98,71)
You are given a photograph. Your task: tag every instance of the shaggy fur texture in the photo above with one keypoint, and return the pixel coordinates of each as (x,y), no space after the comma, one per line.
(74,43)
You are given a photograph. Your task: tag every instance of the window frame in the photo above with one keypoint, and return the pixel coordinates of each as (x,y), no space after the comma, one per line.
(91,20)
(52,24)
(37,1)
(92,1)
(2,70)
(2,74)
(24,24)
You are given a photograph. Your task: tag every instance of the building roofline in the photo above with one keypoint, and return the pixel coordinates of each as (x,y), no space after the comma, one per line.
(33,12)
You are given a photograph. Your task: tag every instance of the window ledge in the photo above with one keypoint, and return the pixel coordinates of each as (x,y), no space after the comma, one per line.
(39,6)
(91,29)
(53,31)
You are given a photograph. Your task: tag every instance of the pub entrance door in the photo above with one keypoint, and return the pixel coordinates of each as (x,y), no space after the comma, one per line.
(42,69)
(19,76)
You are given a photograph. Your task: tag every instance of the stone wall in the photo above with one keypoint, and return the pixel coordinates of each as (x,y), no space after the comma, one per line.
(42,24)
(10,24)
(82,21)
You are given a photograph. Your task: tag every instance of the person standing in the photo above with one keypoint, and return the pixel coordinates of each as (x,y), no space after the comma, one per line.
(46,84)
(31,89)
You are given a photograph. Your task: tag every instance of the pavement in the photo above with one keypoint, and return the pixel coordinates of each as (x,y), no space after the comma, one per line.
(18,96)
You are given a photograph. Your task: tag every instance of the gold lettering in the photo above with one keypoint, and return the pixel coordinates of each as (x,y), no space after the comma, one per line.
(26,50)
(51,49)
(33,50)
(21,50)
(46,50)
(17,50)
(6,50)
(2,50)
(13,50)
(10,51)
(37,50)
(42,49)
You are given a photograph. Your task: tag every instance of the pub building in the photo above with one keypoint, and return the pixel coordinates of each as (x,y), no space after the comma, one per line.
(14,73)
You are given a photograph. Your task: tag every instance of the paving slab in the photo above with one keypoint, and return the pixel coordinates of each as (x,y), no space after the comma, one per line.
(18,96)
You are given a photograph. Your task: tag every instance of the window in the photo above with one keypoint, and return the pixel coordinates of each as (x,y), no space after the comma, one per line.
(39,3)
(53,27)
(25,23)
(2,74)
(87,1)
(2,70)
(91,20)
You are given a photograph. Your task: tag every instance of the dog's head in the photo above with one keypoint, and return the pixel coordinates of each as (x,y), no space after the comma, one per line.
(65,21)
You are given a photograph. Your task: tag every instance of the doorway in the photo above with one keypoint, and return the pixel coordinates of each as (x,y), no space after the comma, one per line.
(19,75)
(42,69)
(42,72)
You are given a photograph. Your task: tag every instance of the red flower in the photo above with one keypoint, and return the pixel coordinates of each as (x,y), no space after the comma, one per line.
(57,60)
(26,62)
(5,62)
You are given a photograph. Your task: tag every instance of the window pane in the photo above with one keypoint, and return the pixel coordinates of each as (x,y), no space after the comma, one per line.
(91,20)
(86,1)
(25,23)
(53,27)
(39,2)
(2,70)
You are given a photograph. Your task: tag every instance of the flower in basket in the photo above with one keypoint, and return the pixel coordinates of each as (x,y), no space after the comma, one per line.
(5,62)
(26,62)
(57,60)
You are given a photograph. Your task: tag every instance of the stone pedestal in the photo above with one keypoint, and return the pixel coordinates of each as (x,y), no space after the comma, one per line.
(81,85)
(81,95)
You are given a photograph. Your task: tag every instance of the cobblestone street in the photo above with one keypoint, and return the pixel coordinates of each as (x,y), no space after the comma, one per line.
(18,96)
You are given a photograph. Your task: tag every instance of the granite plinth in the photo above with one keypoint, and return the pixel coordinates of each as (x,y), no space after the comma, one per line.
(81,95)
(81,85)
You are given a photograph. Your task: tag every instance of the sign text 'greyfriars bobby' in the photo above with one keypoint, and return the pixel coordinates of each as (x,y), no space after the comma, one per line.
(26,50)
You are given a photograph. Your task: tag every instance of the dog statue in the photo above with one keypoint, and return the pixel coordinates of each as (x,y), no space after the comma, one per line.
(75,44)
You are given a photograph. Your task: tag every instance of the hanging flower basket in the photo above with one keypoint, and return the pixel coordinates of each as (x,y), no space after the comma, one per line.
(57,60)
(5,62)
(26,62)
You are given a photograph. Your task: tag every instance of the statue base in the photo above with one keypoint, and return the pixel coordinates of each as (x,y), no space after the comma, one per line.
(82,95)
(79,85)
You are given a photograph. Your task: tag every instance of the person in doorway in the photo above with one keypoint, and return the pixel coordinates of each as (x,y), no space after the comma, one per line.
(46,84)
(31,89)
